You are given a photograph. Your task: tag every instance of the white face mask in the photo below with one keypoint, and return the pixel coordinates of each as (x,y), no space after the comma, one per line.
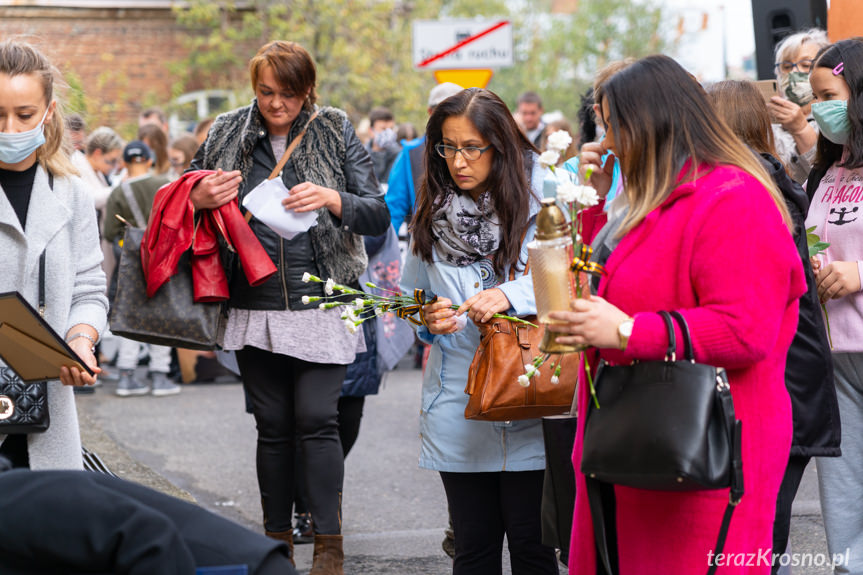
(15,148)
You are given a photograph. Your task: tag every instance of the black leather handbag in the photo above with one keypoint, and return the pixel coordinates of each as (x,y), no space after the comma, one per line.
(171,317)
(24,405)
(663,425)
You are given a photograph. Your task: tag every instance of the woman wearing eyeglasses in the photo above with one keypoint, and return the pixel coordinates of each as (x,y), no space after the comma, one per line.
(794,131)
(474,217)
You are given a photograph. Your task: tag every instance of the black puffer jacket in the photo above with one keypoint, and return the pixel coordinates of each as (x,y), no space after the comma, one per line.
(809,366)
(332,248)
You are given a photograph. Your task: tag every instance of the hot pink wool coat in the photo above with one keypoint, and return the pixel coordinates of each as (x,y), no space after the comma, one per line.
(718,251)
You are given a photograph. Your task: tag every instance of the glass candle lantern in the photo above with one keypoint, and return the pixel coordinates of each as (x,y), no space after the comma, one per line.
(550,255)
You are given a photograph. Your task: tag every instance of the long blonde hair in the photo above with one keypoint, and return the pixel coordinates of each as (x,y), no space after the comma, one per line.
(661,117)
(17,58)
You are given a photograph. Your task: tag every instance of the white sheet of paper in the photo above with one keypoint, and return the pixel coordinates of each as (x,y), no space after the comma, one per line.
(265,203)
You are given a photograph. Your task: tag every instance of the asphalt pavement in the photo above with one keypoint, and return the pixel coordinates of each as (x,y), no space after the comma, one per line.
(200,445)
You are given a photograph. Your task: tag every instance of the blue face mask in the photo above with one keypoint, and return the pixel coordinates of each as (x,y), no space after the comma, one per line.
(16,148)
(832,119)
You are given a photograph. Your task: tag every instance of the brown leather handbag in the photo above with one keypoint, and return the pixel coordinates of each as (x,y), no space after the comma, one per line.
(505,347)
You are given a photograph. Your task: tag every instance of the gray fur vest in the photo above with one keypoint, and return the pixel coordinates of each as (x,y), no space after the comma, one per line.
(319,158)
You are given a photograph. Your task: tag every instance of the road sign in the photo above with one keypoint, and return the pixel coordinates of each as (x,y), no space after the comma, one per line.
(465,78)
(453,44)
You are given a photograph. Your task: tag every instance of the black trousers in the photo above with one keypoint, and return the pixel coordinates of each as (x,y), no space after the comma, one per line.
(295,402)
(485,507)
(75,522)
(350,414)
(787,492)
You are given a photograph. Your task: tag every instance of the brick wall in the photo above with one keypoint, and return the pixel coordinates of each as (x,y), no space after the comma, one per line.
(118,57)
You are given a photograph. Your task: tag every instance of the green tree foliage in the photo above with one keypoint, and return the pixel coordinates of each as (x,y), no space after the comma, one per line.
(363,47)
(557,55)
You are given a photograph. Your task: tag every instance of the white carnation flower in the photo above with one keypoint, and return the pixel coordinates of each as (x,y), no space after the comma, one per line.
(549,158)
(567,192)
(328,287)
(559,141)
(587,196)
(555,380)
(307,277)
(523,381)
(379,311)
(352,327)
(322,306)
(359,303)
(305,300)
(528,368)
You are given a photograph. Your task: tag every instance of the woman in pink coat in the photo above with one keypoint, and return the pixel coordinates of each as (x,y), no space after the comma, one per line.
(705,233)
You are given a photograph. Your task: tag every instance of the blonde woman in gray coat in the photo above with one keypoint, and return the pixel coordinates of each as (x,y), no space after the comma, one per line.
(44,207)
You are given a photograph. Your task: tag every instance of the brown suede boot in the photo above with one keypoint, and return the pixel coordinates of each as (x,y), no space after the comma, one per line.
(287,537)
(329,558)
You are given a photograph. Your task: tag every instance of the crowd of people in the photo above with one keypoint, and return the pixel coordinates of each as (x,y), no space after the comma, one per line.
(709,198)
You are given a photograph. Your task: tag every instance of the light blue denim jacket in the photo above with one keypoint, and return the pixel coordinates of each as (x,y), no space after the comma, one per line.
(449,441)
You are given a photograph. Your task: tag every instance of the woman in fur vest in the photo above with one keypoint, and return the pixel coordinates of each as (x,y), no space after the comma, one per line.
(292,355)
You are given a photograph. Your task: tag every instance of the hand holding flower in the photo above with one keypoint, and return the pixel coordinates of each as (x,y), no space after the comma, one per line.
(481,307)
(440,316)
(837,279)
(592,322)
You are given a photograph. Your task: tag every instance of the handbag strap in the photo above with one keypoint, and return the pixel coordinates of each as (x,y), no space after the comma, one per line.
(671,352)
(42,258)
(290,150)
(134,206)
(601,495)
(688,352)
(294,143)
(42,283)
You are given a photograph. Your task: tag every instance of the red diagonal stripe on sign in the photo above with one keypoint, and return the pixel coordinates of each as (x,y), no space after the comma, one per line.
(462,44)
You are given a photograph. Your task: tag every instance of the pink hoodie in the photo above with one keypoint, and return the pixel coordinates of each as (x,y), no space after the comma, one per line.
(836,212)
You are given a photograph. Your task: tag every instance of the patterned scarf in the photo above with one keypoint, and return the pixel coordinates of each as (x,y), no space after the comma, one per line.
(464,231)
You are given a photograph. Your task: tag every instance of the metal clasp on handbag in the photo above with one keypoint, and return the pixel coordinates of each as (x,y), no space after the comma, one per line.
(7,407)
(722,380)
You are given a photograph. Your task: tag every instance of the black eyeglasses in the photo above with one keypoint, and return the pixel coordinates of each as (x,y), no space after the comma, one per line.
(803,66)
(469,153)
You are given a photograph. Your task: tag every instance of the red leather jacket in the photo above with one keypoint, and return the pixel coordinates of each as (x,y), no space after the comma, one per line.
(172,230)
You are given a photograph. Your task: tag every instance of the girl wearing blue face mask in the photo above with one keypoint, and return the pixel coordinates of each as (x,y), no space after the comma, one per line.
(835,187)
(45,211)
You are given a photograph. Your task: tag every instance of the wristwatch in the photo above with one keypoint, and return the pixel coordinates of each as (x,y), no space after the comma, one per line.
(624,332)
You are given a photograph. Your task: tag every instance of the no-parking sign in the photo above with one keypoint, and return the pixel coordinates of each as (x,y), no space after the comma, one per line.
(454,44)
